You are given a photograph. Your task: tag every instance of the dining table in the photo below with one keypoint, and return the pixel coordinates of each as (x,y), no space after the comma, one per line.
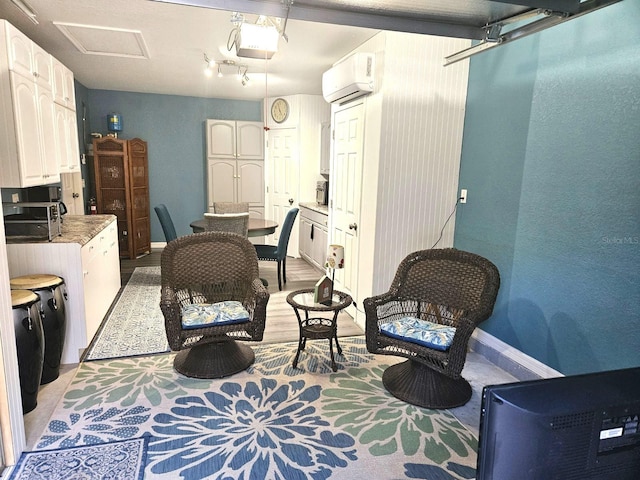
(257,227)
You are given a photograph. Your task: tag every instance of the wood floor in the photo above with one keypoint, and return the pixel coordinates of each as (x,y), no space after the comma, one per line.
(282,325)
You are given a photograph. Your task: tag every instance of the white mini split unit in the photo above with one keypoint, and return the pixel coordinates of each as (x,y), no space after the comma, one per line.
(257,41)
(349,79)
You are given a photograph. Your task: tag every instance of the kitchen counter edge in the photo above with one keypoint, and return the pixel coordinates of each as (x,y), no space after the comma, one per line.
(75,229)
(323,209)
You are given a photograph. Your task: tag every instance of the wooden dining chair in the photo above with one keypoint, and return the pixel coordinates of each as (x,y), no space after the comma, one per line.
(228,222)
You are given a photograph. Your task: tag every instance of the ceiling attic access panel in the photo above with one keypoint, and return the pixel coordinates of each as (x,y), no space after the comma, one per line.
(451,18)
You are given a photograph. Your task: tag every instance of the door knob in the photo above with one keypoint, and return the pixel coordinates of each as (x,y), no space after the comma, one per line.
(291,201)
(353,226)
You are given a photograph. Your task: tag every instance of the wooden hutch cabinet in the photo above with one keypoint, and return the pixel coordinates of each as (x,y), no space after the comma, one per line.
(122,189)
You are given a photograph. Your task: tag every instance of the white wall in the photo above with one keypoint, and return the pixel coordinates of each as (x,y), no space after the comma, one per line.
(413,137)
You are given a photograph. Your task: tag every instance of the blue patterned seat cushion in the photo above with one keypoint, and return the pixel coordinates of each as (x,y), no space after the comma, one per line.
(422,332)
(200,315)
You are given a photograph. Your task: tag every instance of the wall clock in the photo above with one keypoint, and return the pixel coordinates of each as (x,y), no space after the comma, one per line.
(279,110)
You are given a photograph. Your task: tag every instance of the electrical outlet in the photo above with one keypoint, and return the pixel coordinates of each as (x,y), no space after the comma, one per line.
(15,198)
(463,195)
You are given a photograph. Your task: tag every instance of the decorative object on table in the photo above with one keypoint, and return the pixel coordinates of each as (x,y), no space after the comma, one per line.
(335,260)
(303,420)
(278,253)
(323,291)
(436,300)
(198,273)
(119,459)
(114,123)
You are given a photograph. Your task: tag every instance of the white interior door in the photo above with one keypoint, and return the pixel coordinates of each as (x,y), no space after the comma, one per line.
(346,185)
(284,181)
(72,196)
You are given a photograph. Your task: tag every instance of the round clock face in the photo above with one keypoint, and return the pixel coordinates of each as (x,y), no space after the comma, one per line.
(279,110)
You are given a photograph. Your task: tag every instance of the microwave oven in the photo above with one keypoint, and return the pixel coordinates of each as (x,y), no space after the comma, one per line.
(322,193)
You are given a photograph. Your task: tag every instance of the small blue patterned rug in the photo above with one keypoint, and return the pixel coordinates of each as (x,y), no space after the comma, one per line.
(270,422)
(120,460)
(133,331)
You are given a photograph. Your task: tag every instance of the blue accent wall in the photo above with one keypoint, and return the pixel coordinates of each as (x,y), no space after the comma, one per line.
(551,161)
(174,129)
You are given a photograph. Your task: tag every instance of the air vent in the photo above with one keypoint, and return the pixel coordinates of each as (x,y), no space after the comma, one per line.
(96,40)
(572,421)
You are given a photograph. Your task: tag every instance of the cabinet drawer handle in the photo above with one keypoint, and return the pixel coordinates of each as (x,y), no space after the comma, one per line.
(312,228)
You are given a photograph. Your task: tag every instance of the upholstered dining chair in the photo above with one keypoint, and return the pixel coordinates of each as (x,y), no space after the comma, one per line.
(228,222)
(165,221)
(435,301)
(211,297)
(278,253)
(230,207)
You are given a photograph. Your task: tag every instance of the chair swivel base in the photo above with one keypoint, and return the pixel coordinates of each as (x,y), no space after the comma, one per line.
(214,360)
(419,385)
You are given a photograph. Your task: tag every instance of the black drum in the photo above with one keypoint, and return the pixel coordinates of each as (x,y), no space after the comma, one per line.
(29,344)
(51,290)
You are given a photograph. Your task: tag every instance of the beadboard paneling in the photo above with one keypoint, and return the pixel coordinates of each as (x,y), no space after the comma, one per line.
(423,106)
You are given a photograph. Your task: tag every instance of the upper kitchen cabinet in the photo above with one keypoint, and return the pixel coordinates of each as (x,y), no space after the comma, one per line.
(231,139)
(30,140)
(63,90)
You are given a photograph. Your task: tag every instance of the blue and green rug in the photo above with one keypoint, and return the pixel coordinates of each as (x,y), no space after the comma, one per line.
(269,422)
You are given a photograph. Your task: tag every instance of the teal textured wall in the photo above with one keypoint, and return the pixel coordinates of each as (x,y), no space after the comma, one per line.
(174,128)
(551,160)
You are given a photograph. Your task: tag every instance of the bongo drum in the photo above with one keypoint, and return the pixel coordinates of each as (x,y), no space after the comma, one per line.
(52,293)
(29,344)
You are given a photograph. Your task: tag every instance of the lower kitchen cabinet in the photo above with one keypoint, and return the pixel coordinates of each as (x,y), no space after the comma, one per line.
(313,236)
(91,271)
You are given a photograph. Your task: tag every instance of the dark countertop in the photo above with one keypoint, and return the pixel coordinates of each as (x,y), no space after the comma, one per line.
(324,209)
(75,229)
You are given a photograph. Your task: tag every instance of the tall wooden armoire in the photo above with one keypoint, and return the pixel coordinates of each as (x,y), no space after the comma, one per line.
(122,189)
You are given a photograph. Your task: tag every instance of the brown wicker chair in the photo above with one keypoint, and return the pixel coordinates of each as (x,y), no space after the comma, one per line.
(227,222)
(207,268)
(230,207)
(445,286)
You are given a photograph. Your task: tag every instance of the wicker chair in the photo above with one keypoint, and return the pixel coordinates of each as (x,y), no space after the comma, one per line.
(444,286)
(227,222)
(206,268)
(230,207)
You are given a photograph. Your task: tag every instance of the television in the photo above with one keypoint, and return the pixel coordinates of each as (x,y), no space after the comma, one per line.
(576,427)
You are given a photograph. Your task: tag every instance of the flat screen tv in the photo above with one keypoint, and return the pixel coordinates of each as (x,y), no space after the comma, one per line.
(576,427)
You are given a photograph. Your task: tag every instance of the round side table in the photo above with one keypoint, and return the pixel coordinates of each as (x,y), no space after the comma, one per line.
(317,327)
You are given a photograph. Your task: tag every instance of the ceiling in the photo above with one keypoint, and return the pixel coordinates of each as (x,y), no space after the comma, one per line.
(158,46)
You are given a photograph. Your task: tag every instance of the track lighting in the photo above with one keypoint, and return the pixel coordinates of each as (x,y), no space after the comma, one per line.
(241,69)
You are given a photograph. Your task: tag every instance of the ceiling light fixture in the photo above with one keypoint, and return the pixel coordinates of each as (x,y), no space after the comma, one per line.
(26,9)
(259,39)
(241,69)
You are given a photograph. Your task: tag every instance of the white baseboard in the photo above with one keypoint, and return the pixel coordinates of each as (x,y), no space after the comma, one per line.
(158,245)
(510,359)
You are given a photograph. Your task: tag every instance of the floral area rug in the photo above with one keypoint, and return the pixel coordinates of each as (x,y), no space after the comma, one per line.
(114,460)
(133,331)
(269,422)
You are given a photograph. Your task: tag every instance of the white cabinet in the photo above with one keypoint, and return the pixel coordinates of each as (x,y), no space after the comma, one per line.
(63,88)
(67,148)
(91,273)
(235,163)
(235,139)
(313,236)
(29,139)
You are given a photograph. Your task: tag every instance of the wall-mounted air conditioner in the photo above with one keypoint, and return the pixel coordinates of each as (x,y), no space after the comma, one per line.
(349,79)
